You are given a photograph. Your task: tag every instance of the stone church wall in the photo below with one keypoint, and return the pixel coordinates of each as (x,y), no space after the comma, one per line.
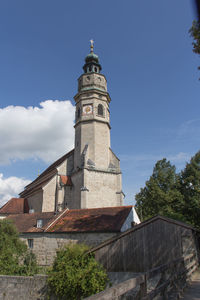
(77,181)
(114,160)
(67,166)
(101,142)
(46,244)
(62,168)
(35,201)
(49,193)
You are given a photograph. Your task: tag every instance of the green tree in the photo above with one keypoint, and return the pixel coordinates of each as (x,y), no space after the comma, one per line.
(190,189)
(12,249)
(75,274)
(14,256)
(30,266)
(195,33)
(161,193)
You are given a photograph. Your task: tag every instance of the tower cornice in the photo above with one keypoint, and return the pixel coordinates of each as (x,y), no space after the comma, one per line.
(92,120)
(92,90)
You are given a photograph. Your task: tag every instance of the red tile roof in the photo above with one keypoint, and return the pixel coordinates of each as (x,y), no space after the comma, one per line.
(92,220)
(28,222)
(106,219)
(66,180)
(15,206)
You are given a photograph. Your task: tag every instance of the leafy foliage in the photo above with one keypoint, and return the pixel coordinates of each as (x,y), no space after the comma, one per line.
(161,194)
(30,264)
(12,249)
(190,189)
(14,257)
(75,274)
(195,33)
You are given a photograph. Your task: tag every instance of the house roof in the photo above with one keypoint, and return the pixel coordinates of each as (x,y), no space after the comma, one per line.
(141,225)
(92,219)
(28,222)
(107,219)
(15,206)
(45,177)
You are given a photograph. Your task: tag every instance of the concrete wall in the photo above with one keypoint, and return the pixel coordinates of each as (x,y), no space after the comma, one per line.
(46,244)
(23,288)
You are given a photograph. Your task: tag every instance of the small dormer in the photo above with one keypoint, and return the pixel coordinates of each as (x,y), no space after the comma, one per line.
(39,223)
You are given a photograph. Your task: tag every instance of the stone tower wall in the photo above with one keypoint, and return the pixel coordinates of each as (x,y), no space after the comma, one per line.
(104,189)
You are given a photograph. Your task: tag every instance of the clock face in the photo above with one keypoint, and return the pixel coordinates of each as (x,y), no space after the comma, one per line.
(87,109)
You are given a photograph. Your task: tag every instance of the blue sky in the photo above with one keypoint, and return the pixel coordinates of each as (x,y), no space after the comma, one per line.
(146,55)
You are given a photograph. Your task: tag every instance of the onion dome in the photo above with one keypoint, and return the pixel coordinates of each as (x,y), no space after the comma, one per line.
(92,64)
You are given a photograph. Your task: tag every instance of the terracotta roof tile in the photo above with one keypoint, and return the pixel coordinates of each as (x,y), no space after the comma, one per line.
(106,219)
(27,222)
(15,206)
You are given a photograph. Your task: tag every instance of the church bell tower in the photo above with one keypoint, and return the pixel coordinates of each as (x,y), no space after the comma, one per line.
(96,172)
(92,127)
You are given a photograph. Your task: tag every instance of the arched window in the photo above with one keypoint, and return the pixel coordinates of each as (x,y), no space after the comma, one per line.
(100,110)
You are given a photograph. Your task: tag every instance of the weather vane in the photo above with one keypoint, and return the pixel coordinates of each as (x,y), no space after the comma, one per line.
(91,45)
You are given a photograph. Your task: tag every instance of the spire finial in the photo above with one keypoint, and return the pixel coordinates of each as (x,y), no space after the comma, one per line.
(91,46)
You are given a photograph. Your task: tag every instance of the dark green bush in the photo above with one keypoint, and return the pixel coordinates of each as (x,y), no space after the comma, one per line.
(75,274)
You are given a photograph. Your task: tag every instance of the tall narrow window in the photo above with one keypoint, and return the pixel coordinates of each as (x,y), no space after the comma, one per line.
(100,110)
(30,243)
(78,113)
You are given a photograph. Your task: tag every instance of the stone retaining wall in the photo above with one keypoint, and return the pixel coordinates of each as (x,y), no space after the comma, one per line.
(23,288)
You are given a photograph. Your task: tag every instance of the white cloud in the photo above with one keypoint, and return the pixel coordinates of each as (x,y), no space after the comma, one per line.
(44,132)
(11,187)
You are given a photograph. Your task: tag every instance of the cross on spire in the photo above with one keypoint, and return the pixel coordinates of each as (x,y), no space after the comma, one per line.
(91,45)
